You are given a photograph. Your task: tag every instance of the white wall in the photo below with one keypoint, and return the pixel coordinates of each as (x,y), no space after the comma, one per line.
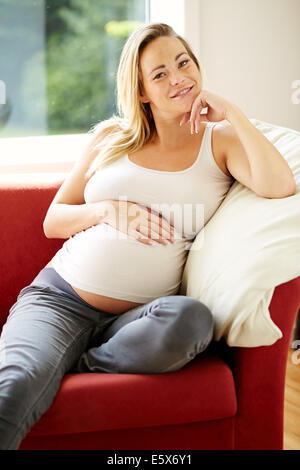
(250,50)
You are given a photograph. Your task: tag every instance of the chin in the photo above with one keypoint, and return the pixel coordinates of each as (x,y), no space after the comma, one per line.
(185,107)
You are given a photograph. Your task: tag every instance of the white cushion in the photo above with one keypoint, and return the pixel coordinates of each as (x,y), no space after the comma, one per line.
(249,246)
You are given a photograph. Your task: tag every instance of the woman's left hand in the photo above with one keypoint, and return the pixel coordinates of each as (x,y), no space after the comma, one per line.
(217,110)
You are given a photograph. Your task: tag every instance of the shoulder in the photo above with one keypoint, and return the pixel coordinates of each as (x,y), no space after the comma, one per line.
(226,138)
(224,133)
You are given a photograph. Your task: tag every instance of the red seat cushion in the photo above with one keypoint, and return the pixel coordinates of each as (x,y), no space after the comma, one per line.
(203,390)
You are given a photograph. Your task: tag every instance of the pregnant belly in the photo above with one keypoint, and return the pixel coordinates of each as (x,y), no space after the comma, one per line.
(114,272)
(101,302)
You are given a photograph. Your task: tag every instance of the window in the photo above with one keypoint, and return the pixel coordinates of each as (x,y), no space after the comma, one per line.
(58,62)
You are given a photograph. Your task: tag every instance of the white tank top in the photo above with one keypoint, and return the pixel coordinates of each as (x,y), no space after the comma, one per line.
(105,261)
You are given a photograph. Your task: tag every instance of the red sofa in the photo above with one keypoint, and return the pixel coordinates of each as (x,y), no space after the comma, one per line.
(226,398)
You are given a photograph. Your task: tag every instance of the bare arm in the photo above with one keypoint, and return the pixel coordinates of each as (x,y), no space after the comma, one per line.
(65,220)
(251,155)
(68,213)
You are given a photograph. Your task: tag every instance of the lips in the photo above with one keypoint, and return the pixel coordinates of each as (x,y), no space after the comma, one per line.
(186,88)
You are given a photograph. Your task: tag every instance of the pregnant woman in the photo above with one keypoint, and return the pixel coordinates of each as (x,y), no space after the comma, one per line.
(108,300)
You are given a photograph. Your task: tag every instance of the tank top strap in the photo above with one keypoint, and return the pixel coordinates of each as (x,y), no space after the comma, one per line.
(206,145)
(206,159)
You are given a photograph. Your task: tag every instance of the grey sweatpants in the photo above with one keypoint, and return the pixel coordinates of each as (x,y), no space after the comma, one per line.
(51,331)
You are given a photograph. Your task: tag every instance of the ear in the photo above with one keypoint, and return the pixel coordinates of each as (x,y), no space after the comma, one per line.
(143,97)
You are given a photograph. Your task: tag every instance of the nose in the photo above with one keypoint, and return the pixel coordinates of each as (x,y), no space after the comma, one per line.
(175,78)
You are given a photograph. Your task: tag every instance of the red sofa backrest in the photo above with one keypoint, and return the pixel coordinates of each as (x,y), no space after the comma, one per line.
(24,247)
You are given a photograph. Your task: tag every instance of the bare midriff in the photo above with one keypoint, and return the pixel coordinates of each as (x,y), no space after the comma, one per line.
(101,302)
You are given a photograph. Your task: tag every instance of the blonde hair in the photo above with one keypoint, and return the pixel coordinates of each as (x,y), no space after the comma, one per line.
(128,132)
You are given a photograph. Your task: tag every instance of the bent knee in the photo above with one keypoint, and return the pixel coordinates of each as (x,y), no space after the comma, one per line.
(193,318)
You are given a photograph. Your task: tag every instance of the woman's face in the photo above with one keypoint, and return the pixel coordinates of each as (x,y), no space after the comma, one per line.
(166,69)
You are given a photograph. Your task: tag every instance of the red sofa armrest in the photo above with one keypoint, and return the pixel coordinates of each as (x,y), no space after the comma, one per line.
(260,377)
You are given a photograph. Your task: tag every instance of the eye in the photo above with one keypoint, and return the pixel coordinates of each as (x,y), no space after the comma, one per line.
(157,75)
(186,60)
(182,62)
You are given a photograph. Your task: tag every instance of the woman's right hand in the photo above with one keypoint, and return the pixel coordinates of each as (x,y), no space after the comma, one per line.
(138,221)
